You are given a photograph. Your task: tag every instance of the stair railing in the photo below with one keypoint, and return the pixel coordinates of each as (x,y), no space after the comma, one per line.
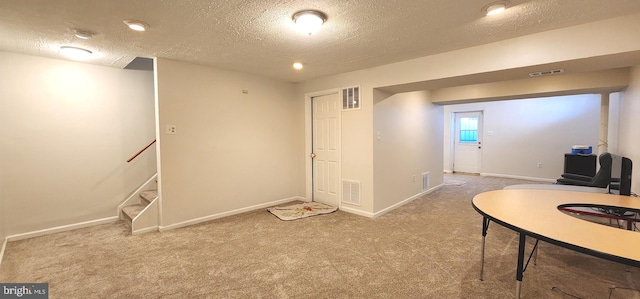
(140,151)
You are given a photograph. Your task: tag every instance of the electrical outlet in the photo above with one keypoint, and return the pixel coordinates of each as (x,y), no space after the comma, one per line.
(539,165)
(414,178)
(171,129)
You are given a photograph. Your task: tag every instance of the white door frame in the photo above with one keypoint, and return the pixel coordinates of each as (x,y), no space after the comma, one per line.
(308,145)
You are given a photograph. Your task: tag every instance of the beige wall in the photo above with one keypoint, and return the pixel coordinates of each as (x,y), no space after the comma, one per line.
(66,130)
(408,134)
(357,160)
(232,151)
(3,224)
(629,127)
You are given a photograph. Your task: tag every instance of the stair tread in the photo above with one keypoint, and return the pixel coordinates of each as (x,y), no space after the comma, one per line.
(133,210)
(149,195)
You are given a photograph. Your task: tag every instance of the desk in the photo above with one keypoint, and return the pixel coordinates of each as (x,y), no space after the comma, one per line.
(559,187)
(535,213)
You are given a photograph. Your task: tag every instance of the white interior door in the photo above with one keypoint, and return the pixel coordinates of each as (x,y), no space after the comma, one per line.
(326,149)
(468,142)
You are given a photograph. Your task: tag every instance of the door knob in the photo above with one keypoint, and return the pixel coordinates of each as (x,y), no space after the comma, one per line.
(313,155)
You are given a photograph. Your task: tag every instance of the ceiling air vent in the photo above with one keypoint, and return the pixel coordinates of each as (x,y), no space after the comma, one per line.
(546,73)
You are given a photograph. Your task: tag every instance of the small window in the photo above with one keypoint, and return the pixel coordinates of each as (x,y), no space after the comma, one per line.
(468,130)
(351,98)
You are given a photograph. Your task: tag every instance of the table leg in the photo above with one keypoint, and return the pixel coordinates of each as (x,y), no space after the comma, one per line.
(520,269)
(485,227)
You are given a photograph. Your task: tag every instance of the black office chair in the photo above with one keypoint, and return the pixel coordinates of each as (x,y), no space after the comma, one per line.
(623,184)
(600,180)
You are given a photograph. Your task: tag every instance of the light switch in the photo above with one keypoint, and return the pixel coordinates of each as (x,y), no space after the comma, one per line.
(171,129)
(378,135)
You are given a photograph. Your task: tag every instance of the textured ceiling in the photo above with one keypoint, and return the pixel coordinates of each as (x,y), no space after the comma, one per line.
(258,36)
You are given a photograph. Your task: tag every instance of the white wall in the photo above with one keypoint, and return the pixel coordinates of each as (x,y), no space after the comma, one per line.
(232,151)
(410,131)
(530,131)
(628,140)
(66,131)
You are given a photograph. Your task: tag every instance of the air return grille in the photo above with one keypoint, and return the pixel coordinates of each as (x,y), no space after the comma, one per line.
(546,73)
(351,192)
(425,181)
(351,98)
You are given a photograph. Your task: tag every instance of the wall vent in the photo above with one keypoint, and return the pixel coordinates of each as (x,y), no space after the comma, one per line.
(546,73)
(351,98)
(426,184)
(351,192)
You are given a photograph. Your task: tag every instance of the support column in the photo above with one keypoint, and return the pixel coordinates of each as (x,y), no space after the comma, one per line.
(603,139)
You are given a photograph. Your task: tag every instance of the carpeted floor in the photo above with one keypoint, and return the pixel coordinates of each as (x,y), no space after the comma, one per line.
(429,248)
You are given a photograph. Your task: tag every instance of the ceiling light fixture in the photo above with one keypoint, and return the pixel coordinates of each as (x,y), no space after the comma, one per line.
(298,65)
(495,8)
(83,34)
(75,52)
(136,25)
(309,21)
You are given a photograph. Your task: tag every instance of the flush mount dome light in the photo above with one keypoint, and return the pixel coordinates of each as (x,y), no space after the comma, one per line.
(495,8)
(136,25)
(75,52)
(309,21)
(298,65)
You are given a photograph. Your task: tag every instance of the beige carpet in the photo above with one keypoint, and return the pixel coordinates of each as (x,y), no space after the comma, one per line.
(429,248)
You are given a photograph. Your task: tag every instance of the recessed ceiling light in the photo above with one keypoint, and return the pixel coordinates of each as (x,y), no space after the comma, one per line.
(495,8)
(298,65)
(83,34)
(136,25)
(75,52)
(309,21)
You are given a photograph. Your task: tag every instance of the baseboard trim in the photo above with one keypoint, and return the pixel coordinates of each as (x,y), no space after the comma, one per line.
(406,201)
(518,177)
(356,212)
(145,230)
(63,228)
(4,245)
(226,214)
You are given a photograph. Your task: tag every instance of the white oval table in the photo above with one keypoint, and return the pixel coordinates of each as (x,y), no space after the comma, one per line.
(535,213)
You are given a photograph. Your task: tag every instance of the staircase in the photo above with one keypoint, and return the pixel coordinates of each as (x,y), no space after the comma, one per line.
(140,210)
